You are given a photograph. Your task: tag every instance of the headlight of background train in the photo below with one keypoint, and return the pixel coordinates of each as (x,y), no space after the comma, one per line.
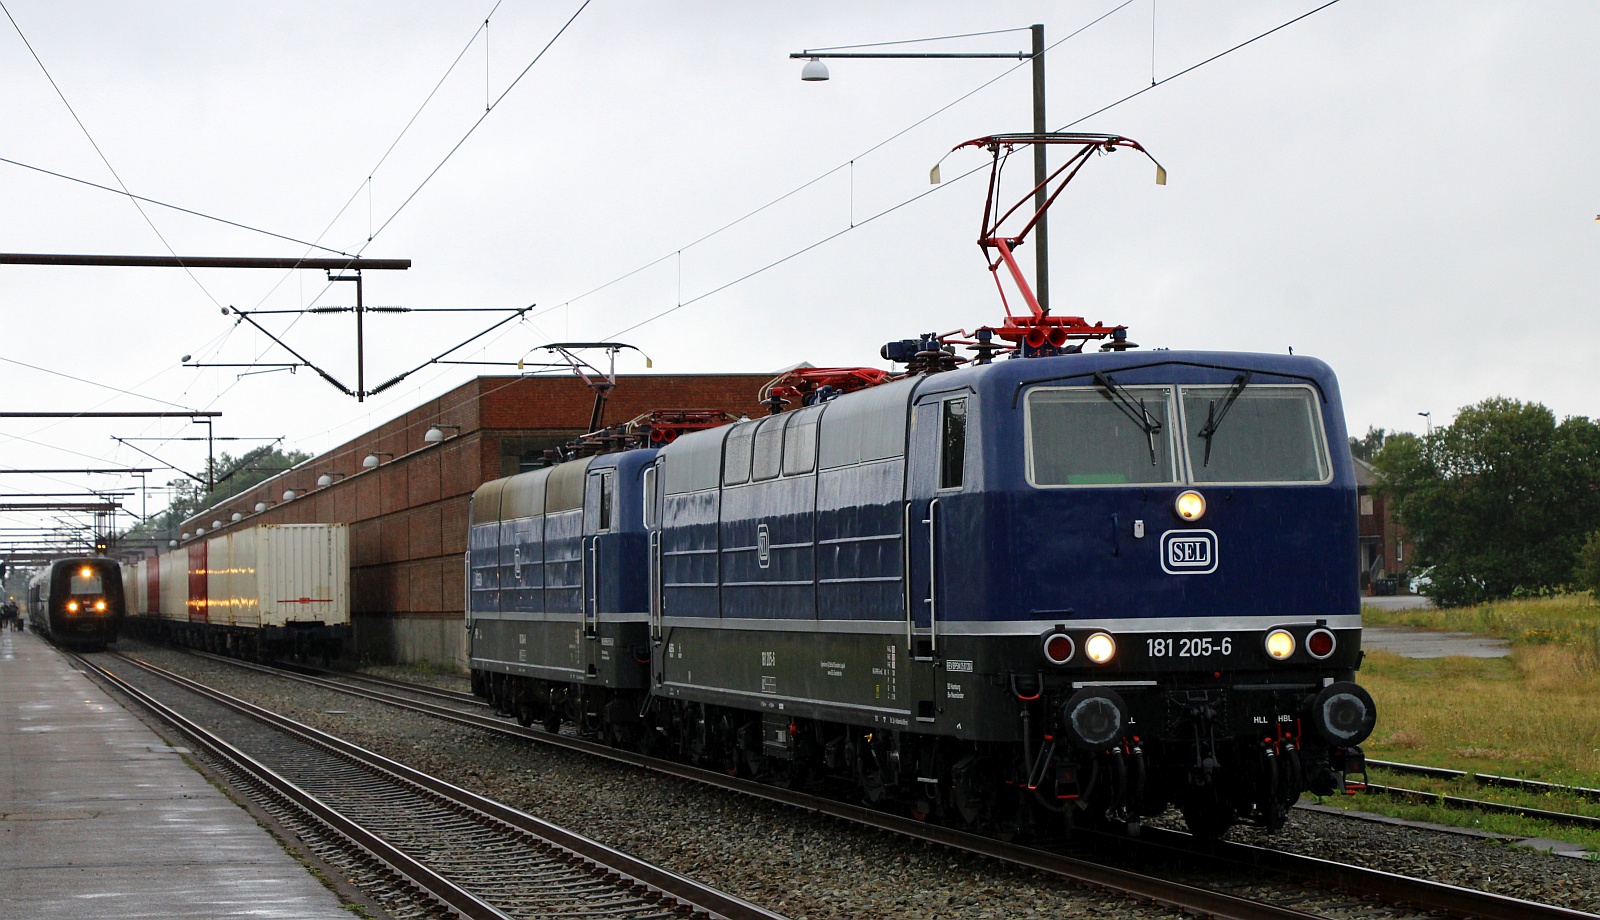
(1082,587)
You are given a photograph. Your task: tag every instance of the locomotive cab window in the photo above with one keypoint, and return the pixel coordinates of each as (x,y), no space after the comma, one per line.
(608,494)
(85,580)
(1254,433)
(952,442)
(1099,436)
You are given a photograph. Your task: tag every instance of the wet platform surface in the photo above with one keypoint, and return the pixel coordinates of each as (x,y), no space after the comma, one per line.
(1422,643)
(99,817)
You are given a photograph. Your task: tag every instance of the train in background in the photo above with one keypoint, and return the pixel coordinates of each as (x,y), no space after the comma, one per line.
(271,591)
(78,602)
(1004,594)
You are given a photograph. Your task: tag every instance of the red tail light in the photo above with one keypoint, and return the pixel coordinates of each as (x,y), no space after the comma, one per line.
(1321,643)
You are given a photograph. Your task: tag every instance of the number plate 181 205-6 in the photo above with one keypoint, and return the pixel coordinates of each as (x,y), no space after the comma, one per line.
(1188,646)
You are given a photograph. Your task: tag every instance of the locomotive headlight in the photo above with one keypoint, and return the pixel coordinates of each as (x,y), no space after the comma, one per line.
(1100,648)
(100,606)
(87,572)
(72,606)
(1280,644)
(1191,505)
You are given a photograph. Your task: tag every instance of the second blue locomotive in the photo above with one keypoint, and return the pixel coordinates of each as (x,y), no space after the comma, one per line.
(1015,593)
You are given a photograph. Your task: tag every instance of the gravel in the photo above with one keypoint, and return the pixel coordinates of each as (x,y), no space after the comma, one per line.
(807,866)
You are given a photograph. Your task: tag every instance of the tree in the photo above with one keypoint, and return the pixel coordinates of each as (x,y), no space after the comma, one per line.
(234,475)
(1587,572)
(1499,500)
(1365,448)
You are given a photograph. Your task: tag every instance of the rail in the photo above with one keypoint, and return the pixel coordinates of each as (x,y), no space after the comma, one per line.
(1360,881)
(630,872)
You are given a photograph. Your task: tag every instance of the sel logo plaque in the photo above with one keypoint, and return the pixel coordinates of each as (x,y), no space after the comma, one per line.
(1189,552)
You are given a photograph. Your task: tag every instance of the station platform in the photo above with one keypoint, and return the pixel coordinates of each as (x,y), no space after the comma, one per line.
(99,817)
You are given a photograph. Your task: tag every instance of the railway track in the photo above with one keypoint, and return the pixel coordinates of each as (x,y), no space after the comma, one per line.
(475,857)
(1221,856)
(441,693)
(1566,819)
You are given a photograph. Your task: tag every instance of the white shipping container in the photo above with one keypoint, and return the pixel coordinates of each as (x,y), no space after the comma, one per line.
(174,590)
(133,587)
(284,574)
(261,577)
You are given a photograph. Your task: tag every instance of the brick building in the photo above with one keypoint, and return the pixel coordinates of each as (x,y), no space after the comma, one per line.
(1386,552)
(408,515)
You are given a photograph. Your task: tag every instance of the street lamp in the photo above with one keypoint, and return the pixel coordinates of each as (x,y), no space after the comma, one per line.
(375,458)
(1429,417)
(815,71)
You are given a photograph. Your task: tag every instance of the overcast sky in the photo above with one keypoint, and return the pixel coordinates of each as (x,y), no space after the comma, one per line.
(1405,190)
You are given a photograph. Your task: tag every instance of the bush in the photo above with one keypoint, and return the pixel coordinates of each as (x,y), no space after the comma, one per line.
(1587,574)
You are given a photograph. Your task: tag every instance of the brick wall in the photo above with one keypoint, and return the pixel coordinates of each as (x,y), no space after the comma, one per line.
(408,517)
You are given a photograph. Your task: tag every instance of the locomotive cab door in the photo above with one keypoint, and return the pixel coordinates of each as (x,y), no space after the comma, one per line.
(935,475)
(599,585)
(652,526)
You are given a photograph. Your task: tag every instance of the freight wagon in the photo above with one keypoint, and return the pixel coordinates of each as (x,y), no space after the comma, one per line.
(265,592)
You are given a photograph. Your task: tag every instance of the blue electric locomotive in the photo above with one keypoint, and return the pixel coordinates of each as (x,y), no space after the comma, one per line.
(558,593)
(1005,595)
(1113,581)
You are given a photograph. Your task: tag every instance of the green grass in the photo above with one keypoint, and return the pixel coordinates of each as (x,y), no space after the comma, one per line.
(1511,825)
(1570,620)
(1533,715)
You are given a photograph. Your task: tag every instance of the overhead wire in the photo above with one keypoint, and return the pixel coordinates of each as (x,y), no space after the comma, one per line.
(835,235)
(887,211)
(100,153)
(846,163)
(1192,68)
(489,108)
(476,124)
(103,386)
(917,41)
(677,253)
(163,204)
(364,184)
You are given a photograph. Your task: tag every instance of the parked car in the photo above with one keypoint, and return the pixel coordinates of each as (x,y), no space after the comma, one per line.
(1421,580)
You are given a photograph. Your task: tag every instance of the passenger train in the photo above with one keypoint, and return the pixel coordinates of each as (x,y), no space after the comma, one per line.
(1075,585)
(77,602)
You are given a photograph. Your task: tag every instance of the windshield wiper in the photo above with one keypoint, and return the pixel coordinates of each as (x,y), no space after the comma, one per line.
(1214,416)
(1133,409)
